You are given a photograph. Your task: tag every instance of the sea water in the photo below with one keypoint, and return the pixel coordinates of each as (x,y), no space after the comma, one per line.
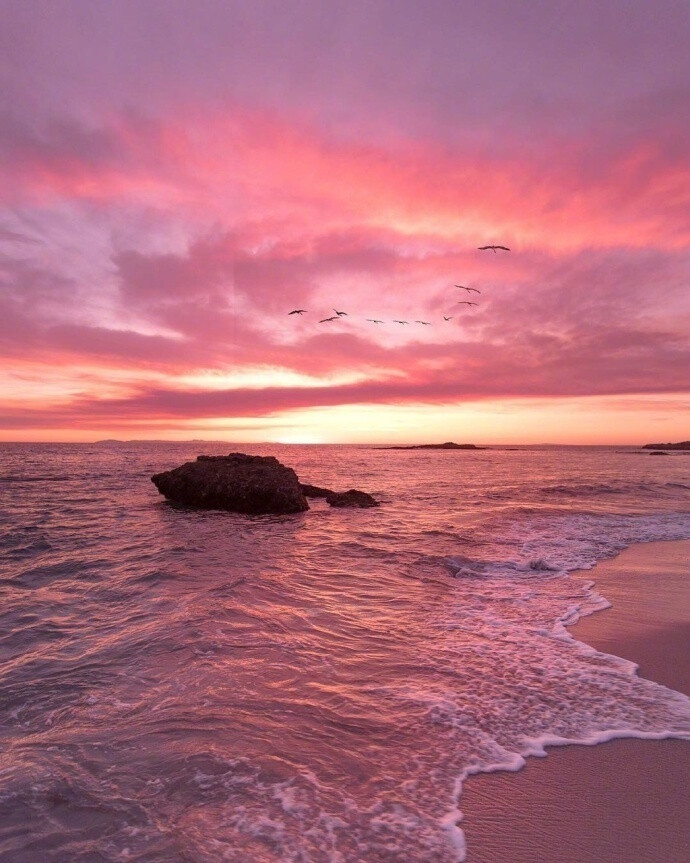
(181,685)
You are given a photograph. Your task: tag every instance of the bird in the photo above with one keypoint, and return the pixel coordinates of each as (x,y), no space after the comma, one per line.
(340,314)
(468,289)
(493,248)
(297,312)
(426,323)
(447,319)
(374,321)
(467,303)
(401,322)
(333,318)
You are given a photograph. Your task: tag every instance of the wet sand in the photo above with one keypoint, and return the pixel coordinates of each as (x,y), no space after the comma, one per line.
(619,802)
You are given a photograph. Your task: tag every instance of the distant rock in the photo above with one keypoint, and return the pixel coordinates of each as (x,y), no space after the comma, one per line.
(353,497)
(684,444)
(658,452)
(237,482)
(448,445)
(315,490)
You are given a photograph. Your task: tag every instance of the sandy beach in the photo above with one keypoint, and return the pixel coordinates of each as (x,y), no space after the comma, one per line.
(619,802)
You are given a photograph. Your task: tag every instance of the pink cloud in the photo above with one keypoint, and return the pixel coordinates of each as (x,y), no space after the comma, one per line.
(174,231)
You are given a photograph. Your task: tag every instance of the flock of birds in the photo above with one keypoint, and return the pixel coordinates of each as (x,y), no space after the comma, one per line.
(339,314)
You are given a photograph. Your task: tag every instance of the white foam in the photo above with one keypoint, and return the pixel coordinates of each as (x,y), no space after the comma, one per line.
(542,687)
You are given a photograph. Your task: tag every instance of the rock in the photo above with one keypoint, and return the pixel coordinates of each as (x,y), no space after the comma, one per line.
(314,490)
(658,452)
(447,445)
(251,484)
(683,445)
(353,497)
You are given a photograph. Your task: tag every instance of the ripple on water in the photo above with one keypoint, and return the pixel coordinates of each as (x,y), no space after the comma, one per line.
(185,685)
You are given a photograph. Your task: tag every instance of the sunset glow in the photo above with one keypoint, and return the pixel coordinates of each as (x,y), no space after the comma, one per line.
(160,219)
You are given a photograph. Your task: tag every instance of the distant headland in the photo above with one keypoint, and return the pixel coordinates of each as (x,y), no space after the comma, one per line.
(684,444)
(119,442)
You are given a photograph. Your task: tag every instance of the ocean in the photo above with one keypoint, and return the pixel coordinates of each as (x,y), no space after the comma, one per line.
(199,686)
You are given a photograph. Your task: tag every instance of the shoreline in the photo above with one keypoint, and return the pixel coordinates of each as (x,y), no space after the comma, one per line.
(654,639)
(620,801)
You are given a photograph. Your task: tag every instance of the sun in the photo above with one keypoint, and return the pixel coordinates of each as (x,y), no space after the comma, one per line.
(299,438)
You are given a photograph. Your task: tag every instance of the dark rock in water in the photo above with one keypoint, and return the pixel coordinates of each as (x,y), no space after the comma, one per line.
(684,444)
(447,445)
(251,484)
(353,497)
(314,490)
(658,452)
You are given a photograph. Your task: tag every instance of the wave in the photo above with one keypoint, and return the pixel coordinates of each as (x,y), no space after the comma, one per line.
(580,489)
(23,478)
(213,687)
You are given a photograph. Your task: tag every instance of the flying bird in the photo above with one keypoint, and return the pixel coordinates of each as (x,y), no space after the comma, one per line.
(374,321)
(447,319)
(467,303)
(468,289)
(493,248)
(333,318)
(401,322)
(340,314)
(297,312)
(426,323)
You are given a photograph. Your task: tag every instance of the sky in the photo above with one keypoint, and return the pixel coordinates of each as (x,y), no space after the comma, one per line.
(176,177)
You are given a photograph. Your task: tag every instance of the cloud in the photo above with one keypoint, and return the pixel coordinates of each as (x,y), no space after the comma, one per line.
(167,201)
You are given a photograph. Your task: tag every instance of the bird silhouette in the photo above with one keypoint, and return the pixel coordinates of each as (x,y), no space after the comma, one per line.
(467,303)
(401,322)
(333,318)
(426,323)
(340,314)
(468,289)
(297,312)
(374,321)
(447,319)
(493,248)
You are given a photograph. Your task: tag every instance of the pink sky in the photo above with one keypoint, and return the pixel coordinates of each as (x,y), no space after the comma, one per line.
(176,177)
